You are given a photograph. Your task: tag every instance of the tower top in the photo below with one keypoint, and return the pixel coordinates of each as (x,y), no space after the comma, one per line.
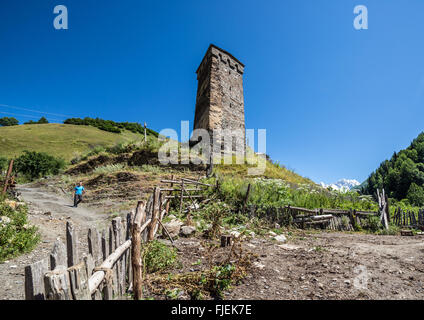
(224,56)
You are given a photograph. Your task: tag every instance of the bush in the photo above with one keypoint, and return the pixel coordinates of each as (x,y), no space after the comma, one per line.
(34,165)
(8,122)
(372,224)
(16,237)
(158,256)
(41,121)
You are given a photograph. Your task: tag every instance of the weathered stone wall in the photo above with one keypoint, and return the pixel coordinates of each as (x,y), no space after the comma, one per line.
(220,101)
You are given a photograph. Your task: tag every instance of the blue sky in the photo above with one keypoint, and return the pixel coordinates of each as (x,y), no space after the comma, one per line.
(335,101)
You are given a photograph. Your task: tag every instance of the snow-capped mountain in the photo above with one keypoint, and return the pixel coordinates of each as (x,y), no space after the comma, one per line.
(342,184)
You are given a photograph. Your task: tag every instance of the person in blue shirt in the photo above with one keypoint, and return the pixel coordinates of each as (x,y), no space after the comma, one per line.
(78,192)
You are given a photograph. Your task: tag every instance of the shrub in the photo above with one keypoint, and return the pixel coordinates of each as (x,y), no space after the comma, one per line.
(16,237)
(8,122)
(372,224)
(158,256)
(42,120)
(34,165)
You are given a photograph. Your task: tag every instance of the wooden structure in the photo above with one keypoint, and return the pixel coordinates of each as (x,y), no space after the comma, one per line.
(9,181)
(409,219)
(112,267)
(333,219)
(110,270)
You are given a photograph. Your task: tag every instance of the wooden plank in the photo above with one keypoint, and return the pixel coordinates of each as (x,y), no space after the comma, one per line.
(34,280)
(149,213)
(58,256)
(117,225)
(155,216)
(89,264)
(9,172)
(57,284)
(107,287)
(182,197)
(196,196)
(94,246)
(79,282)
(136,230)
(98,276)
(114,279)
(105,246)
(72,244)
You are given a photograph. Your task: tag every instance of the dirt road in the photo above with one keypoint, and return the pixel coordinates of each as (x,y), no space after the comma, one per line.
(48,210)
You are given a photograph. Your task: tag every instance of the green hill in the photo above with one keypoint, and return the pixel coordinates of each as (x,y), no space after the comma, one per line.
(68,141)
(60,140)
(402,176)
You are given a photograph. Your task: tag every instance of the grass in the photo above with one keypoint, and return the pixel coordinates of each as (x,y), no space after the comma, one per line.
(60,140)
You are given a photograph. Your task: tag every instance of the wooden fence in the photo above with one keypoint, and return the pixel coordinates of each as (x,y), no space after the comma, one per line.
(112,268)
(409,218)
(333,219)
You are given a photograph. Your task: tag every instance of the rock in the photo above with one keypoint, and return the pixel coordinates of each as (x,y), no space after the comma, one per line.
(235,234)
(173,228)
(252,234)
(259,265)
(272,233)
(277,226)
(187,231)
(280,238)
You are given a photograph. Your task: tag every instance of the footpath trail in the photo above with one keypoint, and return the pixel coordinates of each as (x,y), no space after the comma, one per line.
(49,211)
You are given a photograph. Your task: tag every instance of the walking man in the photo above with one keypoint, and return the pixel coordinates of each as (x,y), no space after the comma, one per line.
(78,192)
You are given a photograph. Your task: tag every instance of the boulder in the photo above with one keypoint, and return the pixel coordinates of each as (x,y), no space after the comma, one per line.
(280,238)
(173,228)
(187,231)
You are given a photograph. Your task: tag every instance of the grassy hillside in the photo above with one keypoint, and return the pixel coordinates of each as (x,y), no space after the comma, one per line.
(61,140)
(69,141)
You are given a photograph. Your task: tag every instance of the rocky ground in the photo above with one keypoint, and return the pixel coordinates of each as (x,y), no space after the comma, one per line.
(308,265)
(321,266)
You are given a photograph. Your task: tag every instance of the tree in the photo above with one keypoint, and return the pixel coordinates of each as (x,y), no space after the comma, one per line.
(8,122)
(416,195)
(37,164)
(42,120)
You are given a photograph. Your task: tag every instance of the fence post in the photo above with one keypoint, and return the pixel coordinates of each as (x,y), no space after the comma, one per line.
(155,215)
(72,244)
(79,282)
(9,172)
(57,284)
(34,280)
(58,255)
(140,215)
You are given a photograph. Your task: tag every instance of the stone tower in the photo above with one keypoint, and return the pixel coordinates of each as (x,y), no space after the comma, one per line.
(220,101)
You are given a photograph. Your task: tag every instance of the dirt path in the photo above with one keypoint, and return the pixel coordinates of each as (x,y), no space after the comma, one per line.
(48,211)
